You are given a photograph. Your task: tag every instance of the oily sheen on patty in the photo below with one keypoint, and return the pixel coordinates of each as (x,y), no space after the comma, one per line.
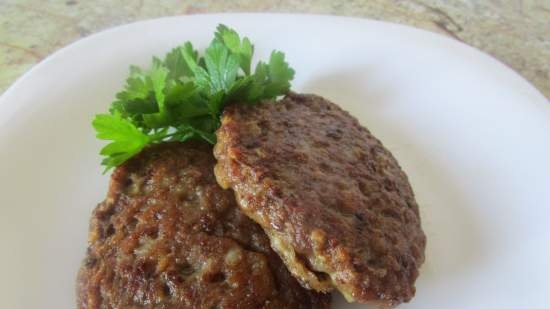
(167,236)
(335,203)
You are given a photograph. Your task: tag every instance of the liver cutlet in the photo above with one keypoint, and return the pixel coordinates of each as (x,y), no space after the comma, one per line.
(334,202)
(167,236)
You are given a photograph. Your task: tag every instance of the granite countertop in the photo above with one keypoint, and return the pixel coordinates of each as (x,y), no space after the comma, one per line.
(517,32)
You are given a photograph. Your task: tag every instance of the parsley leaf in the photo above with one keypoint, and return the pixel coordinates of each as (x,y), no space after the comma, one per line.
(182,95)
(126,138)
(273,78)
(221,66)
(174,61)
(243,50)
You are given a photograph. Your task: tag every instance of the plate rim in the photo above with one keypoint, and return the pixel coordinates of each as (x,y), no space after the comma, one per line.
(11,109)
(76,45)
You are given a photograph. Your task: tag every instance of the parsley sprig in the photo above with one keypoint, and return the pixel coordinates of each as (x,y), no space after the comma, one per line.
(183,95)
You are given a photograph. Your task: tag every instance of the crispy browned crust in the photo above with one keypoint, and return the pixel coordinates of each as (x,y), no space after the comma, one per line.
(167,236)
(332,199)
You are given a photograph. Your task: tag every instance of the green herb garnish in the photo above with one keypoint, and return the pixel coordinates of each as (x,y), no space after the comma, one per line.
(183,95)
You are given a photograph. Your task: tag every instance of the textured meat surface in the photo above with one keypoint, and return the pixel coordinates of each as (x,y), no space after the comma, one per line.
(167,236)
(338,208)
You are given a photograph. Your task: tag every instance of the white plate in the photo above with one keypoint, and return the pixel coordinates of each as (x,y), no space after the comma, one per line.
(472,135)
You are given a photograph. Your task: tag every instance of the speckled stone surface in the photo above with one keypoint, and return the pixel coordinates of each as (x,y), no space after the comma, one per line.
(517,32)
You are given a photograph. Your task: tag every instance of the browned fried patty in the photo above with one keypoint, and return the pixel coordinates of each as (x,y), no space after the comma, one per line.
(335,203)
(167,236)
